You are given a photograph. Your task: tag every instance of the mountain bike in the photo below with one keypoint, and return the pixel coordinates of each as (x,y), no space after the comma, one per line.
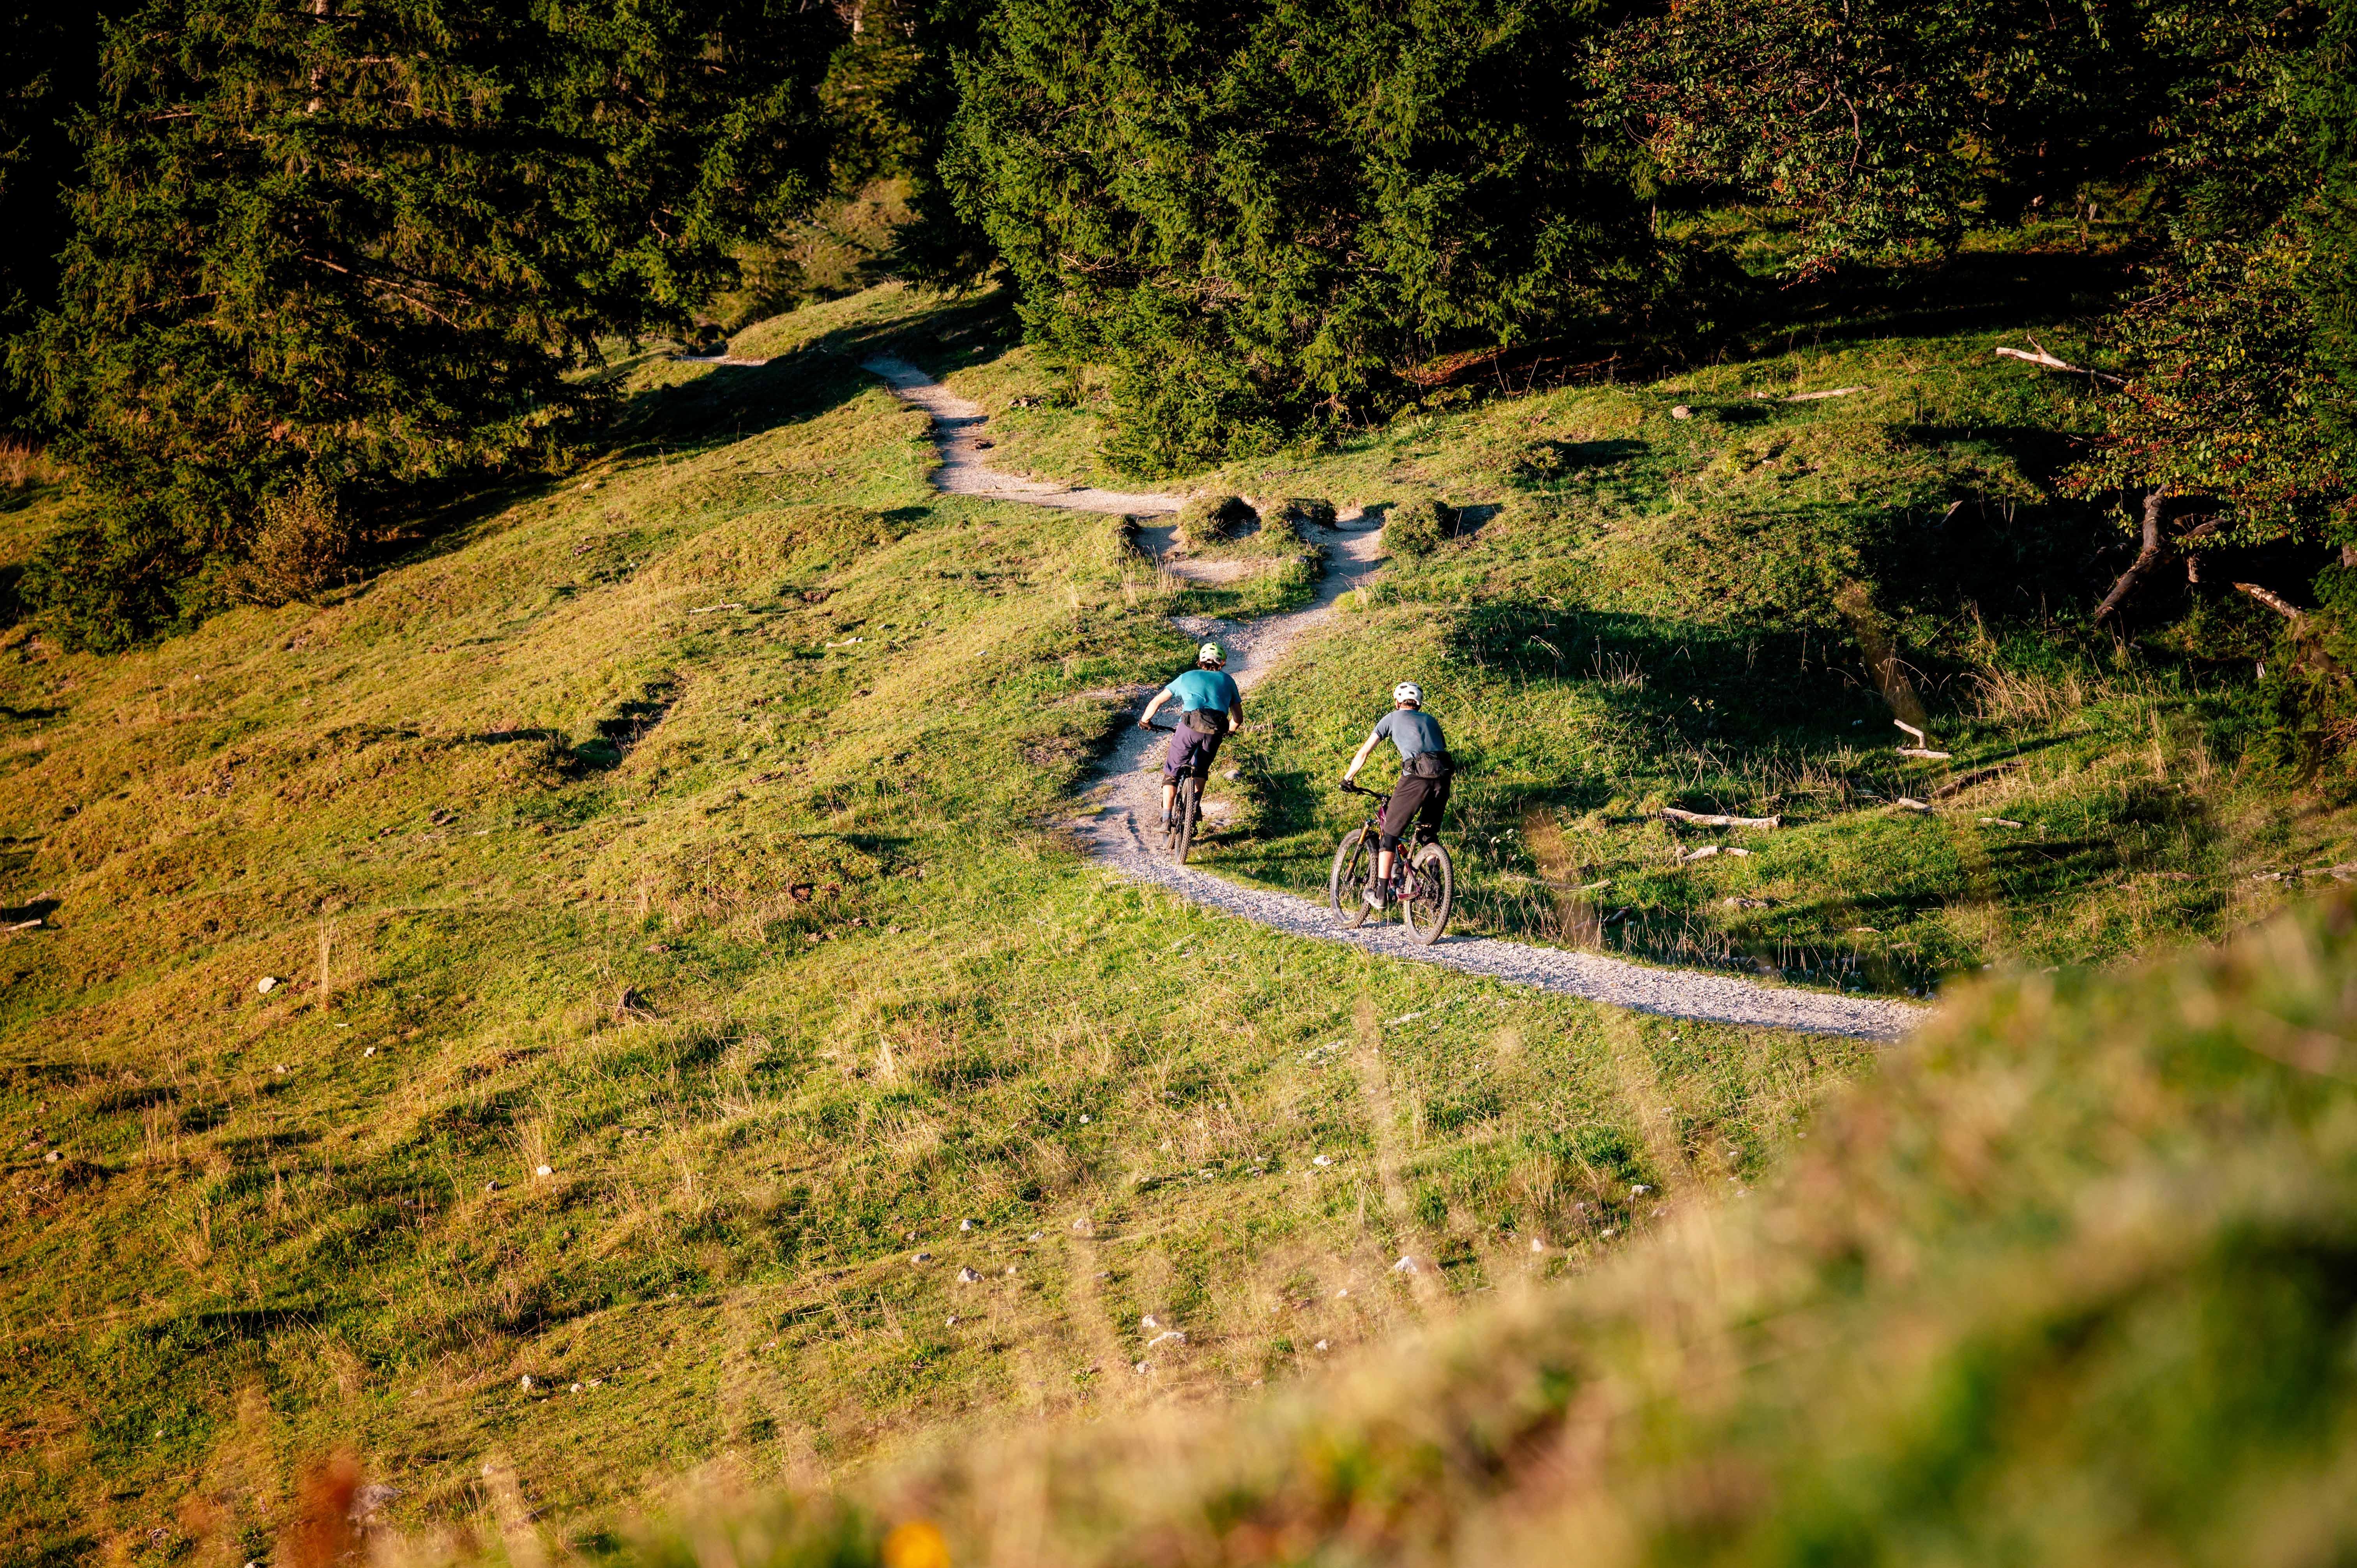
(1186,811)
(1424,885)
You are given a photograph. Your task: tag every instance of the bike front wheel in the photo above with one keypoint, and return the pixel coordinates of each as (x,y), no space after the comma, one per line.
(1346,885)
(1432,893)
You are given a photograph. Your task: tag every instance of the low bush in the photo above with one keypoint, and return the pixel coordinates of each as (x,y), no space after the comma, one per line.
(1418,527)
(1210,520)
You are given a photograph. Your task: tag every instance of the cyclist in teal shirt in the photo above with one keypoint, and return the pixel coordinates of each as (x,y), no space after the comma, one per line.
(1209,707)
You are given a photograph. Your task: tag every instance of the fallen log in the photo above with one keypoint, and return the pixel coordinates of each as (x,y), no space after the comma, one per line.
(2049,361)
(1925,754)
(1707,851)
(1703,820)
(2274,601)
(1815,396)
(1910,804)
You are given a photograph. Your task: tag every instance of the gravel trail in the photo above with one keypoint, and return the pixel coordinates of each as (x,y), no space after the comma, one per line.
(1127,797)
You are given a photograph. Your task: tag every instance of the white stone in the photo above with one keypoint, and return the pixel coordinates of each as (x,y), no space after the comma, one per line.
(965,1224)
(544,1170)
(1321,1159)
(268,984)
(1537,1245)
(921,1257)
(1147,1321)
(1319,1346)
(967,1276)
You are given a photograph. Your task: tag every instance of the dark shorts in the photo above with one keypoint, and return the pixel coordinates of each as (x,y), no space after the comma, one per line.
(1414,801)
(1191,751)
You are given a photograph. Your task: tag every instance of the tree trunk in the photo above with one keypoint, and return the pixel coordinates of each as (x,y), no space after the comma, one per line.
(2156,507)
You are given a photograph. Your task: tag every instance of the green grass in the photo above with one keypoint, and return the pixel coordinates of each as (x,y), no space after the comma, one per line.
(697,827)
(692,827)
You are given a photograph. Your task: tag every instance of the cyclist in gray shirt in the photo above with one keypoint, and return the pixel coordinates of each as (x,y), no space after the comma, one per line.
(1425,768)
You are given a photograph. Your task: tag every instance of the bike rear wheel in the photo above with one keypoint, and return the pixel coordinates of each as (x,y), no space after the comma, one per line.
(1432,893)
(1346,884)
(1185,812)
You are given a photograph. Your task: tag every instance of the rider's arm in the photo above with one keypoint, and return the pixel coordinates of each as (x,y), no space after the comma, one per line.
(1236,713)
(1146,718)
(1360,760)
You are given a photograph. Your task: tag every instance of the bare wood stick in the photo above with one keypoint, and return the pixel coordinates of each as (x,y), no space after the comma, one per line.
(1815,396)
(2156,504)
(1700,820)
(2050,363)
(2275,602)
(707,609)
(1999,822)
(1919,737)
(1925,754)
(1707,851)
(1910,804)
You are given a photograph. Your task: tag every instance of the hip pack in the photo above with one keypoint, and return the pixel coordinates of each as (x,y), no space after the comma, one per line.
(1429,764)
(1205,721)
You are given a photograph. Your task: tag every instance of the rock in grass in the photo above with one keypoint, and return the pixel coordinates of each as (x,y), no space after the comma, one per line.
(965,1224)
(268,984)
(967,1276)
(921,1257)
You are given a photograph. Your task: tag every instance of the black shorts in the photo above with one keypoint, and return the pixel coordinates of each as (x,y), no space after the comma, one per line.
(1414,801)
(1191,751)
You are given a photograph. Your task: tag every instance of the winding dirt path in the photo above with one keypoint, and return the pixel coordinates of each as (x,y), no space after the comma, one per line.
(1127,798)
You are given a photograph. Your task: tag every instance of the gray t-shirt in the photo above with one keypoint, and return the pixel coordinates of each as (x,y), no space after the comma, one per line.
(1411,730)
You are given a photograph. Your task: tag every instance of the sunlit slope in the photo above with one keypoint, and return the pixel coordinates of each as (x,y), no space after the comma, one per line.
(692,829)
(2067,1280)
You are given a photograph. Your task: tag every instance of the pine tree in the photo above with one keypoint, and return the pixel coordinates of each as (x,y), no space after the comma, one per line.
(1266,212)
(337,247)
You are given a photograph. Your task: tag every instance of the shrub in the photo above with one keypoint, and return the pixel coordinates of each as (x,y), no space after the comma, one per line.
(1302,512)
(1209,520)
(1418,527)
(302,547)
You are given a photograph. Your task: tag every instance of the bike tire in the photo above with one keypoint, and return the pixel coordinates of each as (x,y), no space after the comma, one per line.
(1431,894)
(1189,810)
(1346,884)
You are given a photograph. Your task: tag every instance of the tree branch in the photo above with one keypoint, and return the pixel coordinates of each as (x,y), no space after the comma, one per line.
(2156,505)
(2051,363)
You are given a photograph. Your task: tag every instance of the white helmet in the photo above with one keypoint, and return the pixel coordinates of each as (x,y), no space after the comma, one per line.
(1408,691)
(1211,653)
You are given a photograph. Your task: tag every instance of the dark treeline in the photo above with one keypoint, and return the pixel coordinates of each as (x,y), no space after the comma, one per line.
(277,263)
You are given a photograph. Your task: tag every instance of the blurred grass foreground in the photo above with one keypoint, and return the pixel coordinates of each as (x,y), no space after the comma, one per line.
(2071,1278)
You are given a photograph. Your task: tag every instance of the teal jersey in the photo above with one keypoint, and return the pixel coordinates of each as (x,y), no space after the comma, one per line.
(1204,689)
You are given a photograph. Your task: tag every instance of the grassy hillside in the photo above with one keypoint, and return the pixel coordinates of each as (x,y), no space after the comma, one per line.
(695,830)
(2068,1281)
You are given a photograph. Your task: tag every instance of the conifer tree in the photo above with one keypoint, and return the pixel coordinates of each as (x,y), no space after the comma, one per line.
(331,248)
(1258,213)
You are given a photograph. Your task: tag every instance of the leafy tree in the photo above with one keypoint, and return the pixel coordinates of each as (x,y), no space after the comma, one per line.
(2240,389)
(344,246)
(1878,125)
(1261,212)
